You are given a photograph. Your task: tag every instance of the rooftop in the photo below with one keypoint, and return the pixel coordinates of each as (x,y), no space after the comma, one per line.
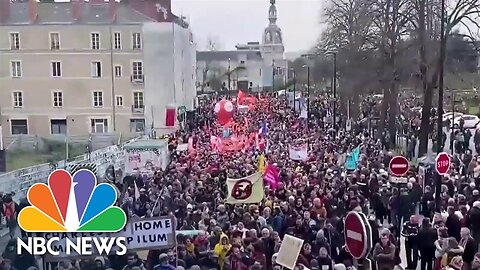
(79,12)
(224,55)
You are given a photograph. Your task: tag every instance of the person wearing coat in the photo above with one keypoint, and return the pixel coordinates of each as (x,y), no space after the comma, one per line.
(470,247)
(426,244)
(384,253)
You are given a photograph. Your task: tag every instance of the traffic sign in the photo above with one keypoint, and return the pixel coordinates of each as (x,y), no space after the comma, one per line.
(398,166)
(358,234)
(442,163)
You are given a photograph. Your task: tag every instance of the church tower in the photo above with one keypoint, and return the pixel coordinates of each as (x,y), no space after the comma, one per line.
(274,64)
(272,36)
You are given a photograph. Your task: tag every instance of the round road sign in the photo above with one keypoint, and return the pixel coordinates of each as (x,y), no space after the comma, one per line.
(442,163)
(398,166)
(358,234)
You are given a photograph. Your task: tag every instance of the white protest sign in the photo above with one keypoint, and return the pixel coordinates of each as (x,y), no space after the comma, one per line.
(289,251)
(150,233)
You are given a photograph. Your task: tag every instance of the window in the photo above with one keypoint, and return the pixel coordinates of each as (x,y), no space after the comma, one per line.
(137,100)
(96,69)
(279,71)
(117,39)
(242,62)
(57,99)
(136,41)
(137,69)
(137,125)
(56,69)
(99,125)
(19,126)
(251,84)
(119,101)
(16,69)
(95,41)
(17,97)
(14,41)
(54,41)
(118,71)
(58,126)
(97,99)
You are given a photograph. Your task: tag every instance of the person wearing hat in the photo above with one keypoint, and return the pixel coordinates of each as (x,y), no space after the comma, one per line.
(163,265)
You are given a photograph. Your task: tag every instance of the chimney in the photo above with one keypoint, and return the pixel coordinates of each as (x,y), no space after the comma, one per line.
(112,10)
(32,11)
(76,10)
(4,11)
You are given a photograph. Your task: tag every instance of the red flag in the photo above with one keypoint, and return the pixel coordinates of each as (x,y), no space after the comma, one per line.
(240,96)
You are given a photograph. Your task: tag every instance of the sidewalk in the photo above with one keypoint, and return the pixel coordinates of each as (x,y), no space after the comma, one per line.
(3,232)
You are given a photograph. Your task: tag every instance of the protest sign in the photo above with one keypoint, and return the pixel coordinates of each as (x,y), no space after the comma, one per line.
(289,251)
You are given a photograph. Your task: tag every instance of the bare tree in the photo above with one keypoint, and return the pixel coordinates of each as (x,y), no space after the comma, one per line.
(426,28)
(391,18)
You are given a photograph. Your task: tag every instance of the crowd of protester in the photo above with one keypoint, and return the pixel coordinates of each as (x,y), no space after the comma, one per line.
(310,201)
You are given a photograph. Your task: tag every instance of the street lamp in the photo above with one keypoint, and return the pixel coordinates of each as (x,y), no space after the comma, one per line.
(228,78)
(438,184)
(294,87)
(334,90)
(273,75)
(308,88)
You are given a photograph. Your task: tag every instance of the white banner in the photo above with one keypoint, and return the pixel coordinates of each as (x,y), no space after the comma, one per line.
(143,161)
(298,152)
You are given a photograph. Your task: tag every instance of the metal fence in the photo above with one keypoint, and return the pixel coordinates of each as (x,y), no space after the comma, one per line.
(19,181)
(34,142)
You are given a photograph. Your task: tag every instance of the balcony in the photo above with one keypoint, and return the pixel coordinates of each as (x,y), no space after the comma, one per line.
(138,109)
(137,79)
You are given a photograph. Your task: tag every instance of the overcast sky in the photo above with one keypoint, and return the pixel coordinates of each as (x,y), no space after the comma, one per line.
(238,21)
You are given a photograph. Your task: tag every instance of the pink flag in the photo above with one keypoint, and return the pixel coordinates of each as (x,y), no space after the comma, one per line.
(272,176)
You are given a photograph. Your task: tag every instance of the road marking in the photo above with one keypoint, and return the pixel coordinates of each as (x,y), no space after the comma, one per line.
(354,235)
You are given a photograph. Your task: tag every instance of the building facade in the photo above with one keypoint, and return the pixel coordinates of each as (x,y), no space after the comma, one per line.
(255,66)
(76,68)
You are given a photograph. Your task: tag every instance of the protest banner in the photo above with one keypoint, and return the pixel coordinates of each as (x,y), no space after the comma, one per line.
(298,152)
(146,156)
(245,190)
(140,234)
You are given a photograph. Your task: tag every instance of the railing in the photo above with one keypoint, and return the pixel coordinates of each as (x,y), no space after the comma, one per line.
(138,109)
(137,79)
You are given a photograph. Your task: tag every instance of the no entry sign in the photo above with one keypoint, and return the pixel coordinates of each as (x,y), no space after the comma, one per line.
(358,235)
(398,166)
(442,163)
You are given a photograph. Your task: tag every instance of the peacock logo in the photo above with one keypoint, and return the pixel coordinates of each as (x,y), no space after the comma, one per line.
(72,205)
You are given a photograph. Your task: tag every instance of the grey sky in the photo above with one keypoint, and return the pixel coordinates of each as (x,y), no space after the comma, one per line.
(238,21)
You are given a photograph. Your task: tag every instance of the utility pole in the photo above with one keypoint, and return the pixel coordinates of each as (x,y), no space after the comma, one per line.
(335,91)
(443,41)
(294,92)
(228,95)
(273,75)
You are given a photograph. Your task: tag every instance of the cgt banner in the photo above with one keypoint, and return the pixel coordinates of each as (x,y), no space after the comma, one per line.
(140,234)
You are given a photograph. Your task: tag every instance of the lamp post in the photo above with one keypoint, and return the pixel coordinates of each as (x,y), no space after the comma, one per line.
(334,90)
(294,87)
(308,88)
(438,184)
(273,75)
(452,127)
(228,78)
